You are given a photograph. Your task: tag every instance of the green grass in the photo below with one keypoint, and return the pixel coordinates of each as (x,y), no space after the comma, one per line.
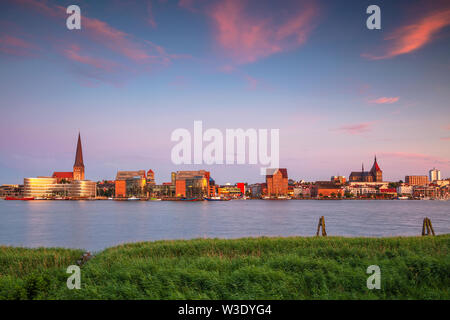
(253,268)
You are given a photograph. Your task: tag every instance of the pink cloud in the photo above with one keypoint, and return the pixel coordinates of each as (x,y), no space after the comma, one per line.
(357,128)
(150,19)
(16,46)
(98,35)
(385,100)
(248,37)
(445,138)
(416,157)
(73,53)
(414,36)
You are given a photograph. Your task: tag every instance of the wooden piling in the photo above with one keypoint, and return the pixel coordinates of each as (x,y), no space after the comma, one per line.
(321,224)
(427,227)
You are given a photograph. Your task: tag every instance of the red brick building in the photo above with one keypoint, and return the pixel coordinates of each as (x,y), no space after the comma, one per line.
(326,189)
(416,180)
(277,182)
(193,184)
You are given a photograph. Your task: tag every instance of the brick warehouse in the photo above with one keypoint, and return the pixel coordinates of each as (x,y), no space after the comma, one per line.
(277,182)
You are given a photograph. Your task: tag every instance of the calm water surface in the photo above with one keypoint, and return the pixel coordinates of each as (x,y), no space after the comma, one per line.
(95,225)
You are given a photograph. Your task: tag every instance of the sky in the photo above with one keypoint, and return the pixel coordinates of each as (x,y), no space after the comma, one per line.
(137,70)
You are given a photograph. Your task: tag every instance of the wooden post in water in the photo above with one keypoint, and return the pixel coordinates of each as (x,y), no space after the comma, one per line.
(321,224)
(427,227)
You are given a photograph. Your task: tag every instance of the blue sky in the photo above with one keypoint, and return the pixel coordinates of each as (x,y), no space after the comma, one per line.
(137,70)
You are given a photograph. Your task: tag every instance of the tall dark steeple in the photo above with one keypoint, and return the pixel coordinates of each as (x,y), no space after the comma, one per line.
(78,167)
(376,172)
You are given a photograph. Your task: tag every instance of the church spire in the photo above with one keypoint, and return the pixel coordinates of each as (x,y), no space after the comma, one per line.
(78,167)
(79,154)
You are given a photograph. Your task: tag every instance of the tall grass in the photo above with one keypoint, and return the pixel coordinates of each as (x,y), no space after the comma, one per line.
(260,268)
(33,273)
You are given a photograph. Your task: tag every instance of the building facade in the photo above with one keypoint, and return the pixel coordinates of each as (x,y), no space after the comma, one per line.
(130,183)
(416,180)
(48,187)
(435,174)
(277,182)
(192,184)
(374,175)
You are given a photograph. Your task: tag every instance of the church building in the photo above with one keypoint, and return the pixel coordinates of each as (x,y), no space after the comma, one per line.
(374,175)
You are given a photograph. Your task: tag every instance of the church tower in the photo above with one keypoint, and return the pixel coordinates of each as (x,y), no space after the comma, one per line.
(376,172)
(78,167)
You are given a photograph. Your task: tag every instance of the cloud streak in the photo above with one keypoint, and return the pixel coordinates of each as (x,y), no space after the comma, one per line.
(247,37)
(416,157)
(15,46)
(413,36)
(385,100)
(355,129)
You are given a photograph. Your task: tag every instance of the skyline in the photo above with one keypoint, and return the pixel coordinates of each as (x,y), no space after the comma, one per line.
(338,92)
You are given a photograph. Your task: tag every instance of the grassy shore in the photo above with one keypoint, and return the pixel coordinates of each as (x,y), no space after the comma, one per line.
(253,268)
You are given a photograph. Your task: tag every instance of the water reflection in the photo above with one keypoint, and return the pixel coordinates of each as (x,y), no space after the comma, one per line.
(94,225)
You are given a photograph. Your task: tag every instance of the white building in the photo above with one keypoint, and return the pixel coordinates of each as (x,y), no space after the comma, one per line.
(405,190)
(435,174)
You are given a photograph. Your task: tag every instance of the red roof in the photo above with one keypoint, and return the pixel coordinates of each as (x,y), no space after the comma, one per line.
(63,175)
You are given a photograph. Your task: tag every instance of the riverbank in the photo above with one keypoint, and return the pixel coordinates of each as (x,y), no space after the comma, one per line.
(249,268)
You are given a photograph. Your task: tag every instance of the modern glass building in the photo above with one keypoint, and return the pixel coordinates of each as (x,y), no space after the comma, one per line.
(48,187)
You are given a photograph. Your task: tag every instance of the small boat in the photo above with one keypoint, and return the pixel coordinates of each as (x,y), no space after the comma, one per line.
(133,199)
(217,199)
(402,198)
(15,198)
(155,199)
(191,199)
(110,198)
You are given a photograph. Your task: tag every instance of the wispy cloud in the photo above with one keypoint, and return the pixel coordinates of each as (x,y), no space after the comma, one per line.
(247,35)
(99,36)
(416,157)
(385,100)
(73,53)
(150,17)
(357,128)
(413,36)
(445,138)
(15,46)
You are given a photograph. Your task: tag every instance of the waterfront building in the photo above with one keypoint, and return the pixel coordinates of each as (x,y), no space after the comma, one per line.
(326,189)
(49,187)
(416,180)
(405,190)
(256,190)
(241,187)
(150,177)
(388,192)
(435,174)
(229,191)
(130,183)
(374,175)
(11,190)
(338,179)
(425,191)
(192,184)
(165,190)
(277,182)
